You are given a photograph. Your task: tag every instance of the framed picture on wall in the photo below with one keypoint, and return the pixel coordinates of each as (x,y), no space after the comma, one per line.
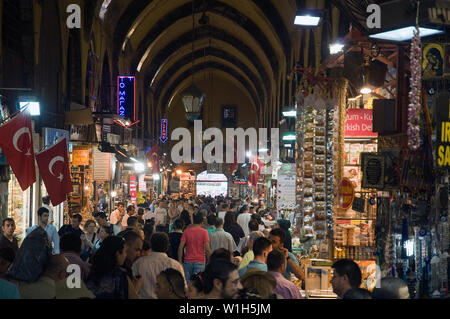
(229,116)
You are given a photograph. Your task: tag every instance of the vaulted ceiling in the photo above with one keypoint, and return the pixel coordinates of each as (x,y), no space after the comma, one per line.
(253,41)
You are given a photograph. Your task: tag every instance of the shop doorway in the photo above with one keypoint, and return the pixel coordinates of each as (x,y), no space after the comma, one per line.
(212,184)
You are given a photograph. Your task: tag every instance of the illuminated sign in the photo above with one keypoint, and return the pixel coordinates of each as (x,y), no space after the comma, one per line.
(443,131)
(126,99)
(164,124)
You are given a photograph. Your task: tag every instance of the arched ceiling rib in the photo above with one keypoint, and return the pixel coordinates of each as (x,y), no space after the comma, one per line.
(198,68)
(203,44)
(204,54)
(204,32)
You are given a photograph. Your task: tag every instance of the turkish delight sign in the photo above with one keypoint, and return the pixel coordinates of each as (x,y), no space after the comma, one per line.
(359,123)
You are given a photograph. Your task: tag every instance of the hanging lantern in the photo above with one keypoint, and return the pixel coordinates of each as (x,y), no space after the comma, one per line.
(193,99)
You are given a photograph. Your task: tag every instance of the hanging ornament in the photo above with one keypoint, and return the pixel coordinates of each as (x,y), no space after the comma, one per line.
(415,93)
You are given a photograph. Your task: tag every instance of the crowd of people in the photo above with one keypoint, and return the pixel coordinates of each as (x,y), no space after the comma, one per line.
(201,248)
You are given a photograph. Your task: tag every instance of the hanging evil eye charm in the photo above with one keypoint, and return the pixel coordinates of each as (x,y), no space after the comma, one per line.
(372,201)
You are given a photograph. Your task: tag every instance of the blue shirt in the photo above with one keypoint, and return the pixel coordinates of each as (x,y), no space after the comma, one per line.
(152,208)
(8,290)
(287,273)
(253,264)
(52,235)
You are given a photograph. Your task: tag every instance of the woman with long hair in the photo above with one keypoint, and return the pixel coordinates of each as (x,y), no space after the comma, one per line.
(231,226)
(107,279)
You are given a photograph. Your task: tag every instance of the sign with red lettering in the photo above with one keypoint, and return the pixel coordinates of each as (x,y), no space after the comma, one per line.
(163,136)
(133,189)
(359,123)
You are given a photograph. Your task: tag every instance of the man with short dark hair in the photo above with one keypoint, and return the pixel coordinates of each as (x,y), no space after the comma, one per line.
(223,211)
(261,248)
(211,221)
(8,239)
(116,218)
(221,280)
(51,231)
(243,219)
(132,226)
(221,239)
(131,211)
(71,249)
(101,220)
(170,285)
(346,276)
(276,266)
(149,267)
(74,227)
(196,240)
(277,237)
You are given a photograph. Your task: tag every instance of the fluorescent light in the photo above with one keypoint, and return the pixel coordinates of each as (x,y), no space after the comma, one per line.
(249,154)
(307,20)
(113,194)
(404,34)
(133,159)
(289,137)
(355,98)
(139,167)
(290,113)
(288,145)
(160,169)
(336,48)
(263,150)
(33,107)
(409,246)
(156,177)
(179,171)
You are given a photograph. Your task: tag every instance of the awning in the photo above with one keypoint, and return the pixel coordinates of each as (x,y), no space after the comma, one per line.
(79,117)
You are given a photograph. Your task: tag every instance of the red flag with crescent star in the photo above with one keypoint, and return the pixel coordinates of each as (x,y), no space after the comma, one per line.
(255,170)
(53,164)
(16,142)
(153,157)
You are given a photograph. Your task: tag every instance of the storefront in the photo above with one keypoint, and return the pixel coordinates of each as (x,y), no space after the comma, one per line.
(211,184)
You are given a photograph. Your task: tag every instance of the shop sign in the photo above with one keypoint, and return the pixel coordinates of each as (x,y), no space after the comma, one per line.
(102,166)
(164,133)
(286,187)
(373,170)
(80,155)
(346,194)
(142,183)
(126,99)
(79,133)
(443,131)
(133,192)
(359,123)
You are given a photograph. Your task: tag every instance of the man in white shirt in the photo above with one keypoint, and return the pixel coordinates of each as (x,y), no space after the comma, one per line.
(160,215)
(223,211)
(243,219)
(116,218)
(221,239)
(43,216)
(149,267)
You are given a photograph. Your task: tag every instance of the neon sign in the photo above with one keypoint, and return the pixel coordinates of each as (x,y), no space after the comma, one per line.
(126,99)
(163,137)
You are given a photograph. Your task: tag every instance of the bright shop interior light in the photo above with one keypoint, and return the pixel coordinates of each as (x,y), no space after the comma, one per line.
(366,90)
(336,48)
(292,113)
(179,171)
(288,145)
(133,159)
(156,177)
(409,246)
(139,167)
(289,137)
(113,194)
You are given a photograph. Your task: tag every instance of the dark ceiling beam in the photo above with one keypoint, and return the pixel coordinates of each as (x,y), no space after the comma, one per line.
(207,52)
(209,65)
(202,33)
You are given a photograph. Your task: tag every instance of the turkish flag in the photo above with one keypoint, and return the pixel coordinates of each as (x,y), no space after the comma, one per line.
(16,141)
(53,164)
(153,157)
(255,171)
